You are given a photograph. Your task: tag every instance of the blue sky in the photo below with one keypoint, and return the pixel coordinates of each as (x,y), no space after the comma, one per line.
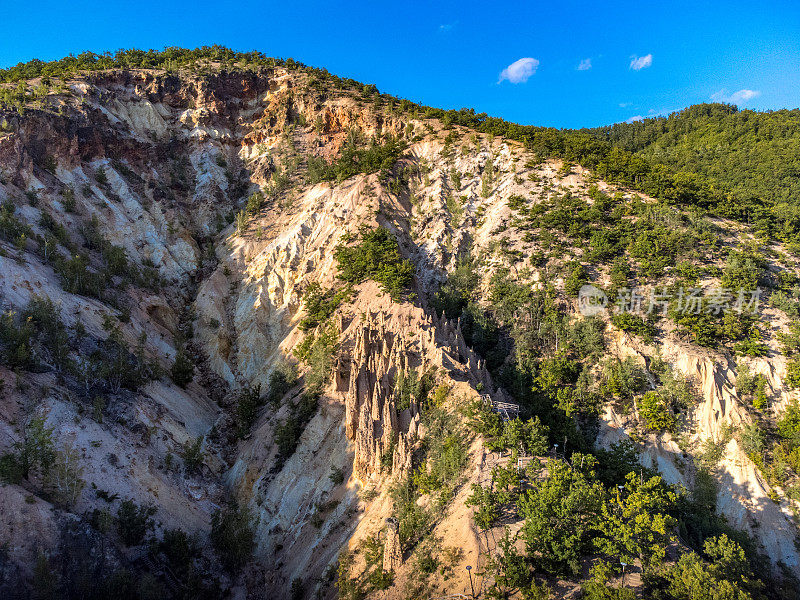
(638,58)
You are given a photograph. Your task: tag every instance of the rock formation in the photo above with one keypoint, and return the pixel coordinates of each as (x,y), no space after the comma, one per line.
(392,552)
(158,165)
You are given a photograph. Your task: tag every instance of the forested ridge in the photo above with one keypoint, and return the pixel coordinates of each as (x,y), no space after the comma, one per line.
(754,154)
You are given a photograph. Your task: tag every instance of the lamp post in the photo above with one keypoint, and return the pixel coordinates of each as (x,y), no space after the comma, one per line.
(623,572)
(471,587)
(555,450)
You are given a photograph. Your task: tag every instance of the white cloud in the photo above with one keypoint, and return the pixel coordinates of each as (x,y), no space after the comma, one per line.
(444,28)
(519,71)
(625,104)
(651,114)
(641,62)
(585,64)
(745,95)
(739,97)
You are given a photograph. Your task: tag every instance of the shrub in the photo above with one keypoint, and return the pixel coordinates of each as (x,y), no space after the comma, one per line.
(529,436)
(656,412)
(789,424)
(487,506)
(742,271)
(790,341)
(586,337)
(41,322)
(355,159)
(746,381)
(254,203)
(98,406)
(16,341)
(455,294)
(10,469)
(410,387)
(114,366)
(287,433)
(760,400)
(317,351)
(622,379)
(413,519)
(321,304)
(232,536)
(100,176)
(179,549)
(484,421)
(603,245)
(376,257)
(193,455)
(348,588)
(45,579)
(753,439)
(455,178)
(507,482)
(336,476)
(675,388)
(182,369)
(440,395)
(578,277)
(426,563)
(454,208)
(78,278)
(656,248)
(727,575)
(600,588)
(620,274)
(247,405)
(752,386)
(753,345)
(37,451)
(445,453)
(793,373)
(241,222)
(785,301)
(634,324)
(133,522)
(704,328)
(282,379)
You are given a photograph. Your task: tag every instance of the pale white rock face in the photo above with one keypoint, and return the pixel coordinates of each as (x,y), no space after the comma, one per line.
(284,504)
(211,309)
(143,119)
(141,233)
(191,117)
(126,222)
(21,282)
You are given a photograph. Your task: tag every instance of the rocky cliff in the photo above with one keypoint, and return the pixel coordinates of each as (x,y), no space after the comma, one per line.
(126,204)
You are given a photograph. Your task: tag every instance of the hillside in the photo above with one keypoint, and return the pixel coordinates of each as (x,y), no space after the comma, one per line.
(752,154)
(251,311)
